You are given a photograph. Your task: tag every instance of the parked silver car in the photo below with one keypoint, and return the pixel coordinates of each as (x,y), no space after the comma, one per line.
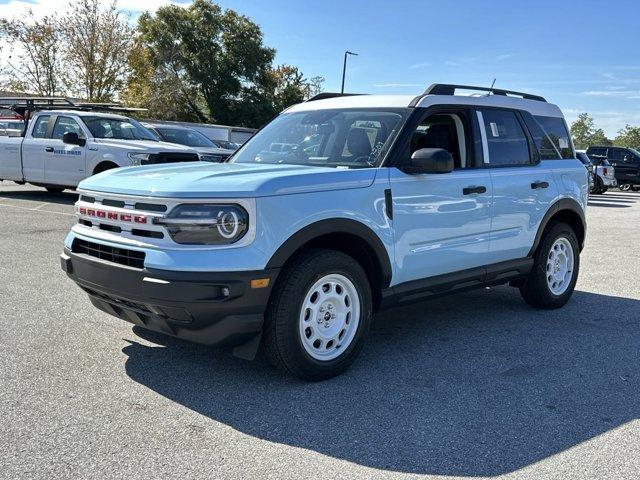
(206,148)
(604,173)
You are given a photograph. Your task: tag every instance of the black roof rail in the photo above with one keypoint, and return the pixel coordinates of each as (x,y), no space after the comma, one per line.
(325,95)
(448,89)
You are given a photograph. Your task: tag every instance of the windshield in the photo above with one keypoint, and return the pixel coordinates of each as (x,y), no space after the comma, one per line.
(345,138)
(191,138)
(635,152)
(118,128)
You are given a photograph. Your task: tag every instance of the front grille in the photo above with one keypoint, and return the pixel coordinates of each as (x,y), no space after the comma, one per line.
(172,157)
(122,256)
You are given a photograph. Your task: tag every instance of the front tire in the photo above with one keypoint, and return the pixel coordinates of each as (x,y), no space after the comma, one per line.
(555,270)
(319,315)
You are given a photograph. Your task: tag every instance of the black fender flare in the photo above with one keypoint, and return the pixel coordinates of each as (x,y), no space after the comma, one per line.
(562,204)
(334,226)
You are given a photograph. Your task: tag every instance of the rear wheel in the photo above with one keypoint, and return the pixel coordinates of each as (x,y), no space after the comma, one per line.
(555,270)
(319,315)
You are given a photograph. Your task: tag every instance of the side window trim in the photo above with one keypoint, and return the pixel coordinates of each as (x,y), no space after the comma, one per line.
(483,138)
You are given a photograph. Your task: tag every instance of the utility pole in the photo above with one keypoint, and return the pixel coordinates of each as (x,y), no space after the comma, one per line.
(344,67)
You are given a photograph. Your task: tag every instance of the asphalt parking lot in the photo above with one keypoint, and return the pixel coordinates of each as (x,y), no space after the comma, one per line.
(474,385)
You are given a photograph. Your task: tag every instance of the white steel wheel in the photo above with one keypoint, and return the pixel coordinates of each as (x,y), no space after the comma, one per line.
(560,264)
(329,317)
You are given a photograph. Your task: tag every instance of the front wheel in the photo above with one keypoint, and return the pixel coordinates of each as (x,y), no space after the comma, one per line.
(319,315)
(555,270)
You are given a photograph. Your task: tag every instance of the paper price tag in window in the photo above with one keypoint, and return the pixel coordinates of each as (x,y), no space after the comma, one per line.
(563,142)
(494,129)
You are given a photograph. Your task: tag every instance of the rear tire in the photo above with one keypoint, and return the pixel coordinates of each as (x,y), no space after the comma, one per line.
(55,190)
(555,270)
(318,316)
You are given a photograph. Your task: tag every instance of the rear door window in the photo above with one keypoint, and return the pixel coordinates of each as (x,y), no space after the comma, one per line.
(506,141)
(40,127)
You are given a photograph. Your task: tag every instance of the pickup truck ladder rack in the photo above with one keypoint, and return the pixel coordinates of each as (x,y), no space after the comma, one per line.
(22,105)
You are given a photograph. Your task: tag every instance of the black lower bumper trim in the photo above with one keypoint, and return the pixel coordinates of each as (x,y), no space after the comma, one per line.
(204,307)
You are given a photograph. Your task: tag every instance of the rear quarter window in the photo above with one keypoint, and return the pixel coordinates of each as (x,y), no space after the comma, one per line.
(552,138)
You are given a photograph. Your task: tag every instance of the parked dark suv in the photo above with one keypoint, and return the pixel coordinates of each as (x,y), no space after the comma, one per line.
(626,162)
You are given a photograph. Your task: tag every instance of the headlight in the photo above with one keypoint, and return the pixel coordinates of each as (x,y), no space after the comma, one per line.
(138,158)
(206,224)
(212,157)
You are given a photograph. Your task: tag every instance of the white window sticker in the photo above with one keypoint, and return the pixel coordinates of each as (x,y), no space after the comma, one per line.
(494,129)
(563,142)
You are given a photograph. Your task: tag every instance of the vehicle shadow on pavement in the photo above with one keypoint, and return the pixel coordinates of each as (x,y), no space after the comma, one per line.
(68,197)
(476,384)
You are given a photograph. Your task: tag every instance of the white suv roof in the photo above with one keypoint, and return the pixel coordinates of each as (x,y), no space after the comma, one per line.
(433,96)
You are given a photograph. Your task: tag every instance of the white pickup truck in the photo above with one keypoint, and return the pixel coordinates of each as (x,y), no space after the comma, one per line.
(60,148)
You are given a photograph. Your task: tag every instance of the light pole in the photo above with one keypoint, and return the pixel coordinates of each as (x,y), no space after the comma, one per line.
(344,67)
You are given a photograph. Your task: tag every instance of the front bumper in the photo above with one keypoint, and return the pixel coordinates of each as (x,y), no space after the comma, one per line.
(209,308)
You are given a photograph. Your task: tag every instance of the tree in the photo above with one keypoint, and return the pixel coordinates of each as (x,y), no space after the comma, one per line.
(37,65)
(97,45)
(315,85)
(159,90)
(219,55)
(585,133)
(628,137)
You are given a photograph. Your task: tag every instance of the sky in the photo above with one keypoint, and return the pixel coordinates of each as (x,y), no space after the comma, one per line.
(580,54)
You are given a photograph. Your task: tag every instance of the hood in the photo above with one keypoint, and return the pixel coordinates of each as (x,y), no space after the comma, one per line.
(144,146)
(226,180)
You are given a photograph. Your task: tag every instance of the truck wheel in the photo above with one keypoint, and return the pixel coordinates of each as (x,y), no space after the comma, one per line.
(555,270)
(625,187)
(55,190)
(319,315)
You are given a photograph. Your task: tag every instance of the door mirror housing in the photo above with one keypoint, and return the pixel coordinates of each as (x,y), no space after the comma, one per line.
(430,160)
(72,138)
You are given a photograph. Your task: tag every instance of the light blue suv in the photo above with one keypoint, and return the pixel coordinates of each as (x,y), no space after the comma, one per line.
(376,201)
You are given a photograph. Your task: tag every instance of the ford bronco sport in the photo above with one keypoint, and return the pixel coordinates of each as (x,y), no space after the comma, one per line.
(380,200)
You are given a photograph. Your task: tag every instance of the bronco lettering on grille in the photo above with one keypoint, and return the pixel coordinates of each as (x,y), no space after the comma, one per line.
(122,217)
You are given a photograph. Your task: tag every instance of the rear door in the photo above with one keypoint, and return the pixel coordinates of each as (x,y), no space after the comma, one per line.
(33,149)
(64,164)
(523,185)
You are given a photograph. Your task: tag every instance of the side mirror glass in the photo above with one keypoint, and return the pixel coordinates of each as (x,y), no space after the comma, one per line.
(430,160)
(72,138)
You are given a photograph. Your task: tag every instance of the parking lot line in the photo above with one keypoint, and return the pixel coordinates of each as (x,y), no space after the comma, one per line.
(37,209)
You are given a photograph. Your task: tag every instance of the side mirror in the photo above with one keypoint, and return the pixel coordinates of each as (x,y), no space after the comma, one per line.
(72,138)
(430,160)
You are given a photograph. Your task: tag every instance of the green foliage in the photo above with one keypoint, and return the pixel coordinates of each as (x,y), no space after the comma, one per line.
(97,42)
(628,137)
(216,62)
(585,133)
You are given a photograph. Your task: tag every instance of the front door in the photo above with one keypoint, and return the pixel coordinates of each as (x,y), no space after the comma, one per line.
(64,163)
(626,165)
(441,222)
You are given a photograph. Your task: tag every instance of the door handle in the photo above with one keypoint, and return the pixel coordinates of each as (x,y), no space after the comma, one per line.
(49,149)
(470,190)
(536,185)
